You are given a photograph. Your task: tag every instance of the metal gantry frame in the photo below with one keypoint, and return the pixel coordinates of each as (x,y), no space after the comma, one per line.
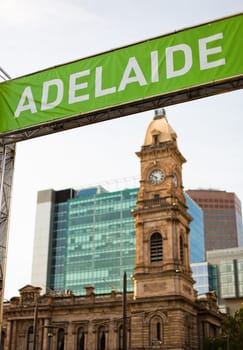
(142,105)
(7,156)
(8,144)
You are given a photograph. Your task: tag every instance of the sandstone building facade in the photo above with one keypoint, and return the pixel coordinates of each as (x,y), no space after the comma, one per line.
(164,311)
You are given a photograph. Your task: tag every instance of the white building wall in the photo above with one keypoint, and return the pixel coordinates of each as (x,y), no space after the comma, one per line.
(42,239)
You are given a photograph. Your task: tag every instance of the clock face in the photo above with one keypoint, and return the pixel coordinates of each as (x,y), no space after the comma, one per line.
(156,177)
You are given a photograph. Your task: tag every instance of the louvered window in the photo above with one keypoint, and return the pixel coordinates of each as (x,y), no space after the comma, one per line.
(181,250)
(156,247)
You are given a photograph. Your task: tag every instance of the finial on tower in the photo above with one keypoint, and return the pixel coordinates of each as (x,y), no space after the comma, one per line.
(160,112)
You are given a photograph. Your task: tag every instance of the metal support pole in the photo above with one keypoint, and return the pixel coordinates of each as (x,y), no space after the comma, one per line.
(7,154)
(124,311)
(228,342)
(35,326)
(49,340)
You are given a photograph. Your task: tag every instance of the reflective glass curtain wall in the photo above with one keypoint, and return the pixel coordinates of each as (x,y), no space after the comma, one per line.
(93,240)
(58,248)
(101,241)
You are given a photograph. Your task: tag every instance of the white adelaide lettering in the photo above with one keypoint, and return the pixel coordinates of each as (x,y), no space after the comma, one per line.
(154,66)
(91,83)
(73,87)
(137,77)
(26,102)
(132,74)
(98,84)
(169,52)
(58,83)
(204,52)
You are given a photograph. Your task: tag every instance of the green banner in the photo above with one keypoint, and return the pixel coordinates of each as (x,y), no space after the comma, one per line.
(192,57)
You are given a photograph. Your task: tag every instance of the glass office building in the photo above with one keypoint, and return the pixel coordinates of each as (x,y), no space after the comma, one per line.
(205,276)
(229,264)
(222,218)
(91,239)
(231,278)
(56,275)
(197,249)
(101,241)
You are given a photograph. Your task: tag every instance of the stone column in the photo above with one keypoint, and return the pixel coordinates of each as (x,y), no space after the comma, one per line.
(54,339)
(8,336)
(69,337)
(91,341)
(112,335)
(137,329)
(13,335)
(46,334)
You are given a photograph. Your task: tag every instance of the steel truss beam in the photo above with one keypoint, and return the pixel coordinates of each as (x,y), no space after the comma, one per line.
(124,110)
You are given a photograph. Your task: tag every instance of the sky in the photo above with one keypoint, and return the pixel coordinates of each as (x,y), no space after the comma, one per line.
(39,34)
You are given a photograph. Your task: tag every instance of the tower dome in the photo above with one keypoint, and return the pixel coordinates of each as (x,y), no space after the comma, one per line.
(159,130)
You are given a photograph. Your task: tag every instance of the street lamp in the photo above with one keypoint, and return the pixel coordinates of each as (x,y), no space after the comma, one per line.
(157,343)
(50,328)
(124,306)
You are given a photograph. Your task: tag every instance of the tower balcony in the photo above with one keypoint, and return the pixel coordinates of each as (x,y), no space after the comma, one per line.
(153,203)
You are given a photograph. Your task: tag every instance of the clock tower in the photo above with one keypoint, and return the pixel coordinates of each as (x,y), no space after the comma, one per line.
(162,265)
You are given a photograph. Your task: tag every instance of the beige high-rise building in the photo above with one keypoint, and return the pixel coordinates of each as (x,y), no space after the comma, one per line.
(164,311)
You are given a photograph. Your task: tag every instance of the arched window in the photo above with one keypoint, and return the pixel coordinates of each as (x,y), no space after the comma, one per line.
(181,250)
(3,336)
(101,338)
(156,247)
(30,338)
(60,339)
(156,330)
(120,346)
(81,338)
(156,139)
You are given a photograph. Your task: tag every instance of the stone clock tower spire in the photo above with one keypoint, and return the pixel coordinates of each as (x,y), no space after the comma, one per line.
(162,222)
